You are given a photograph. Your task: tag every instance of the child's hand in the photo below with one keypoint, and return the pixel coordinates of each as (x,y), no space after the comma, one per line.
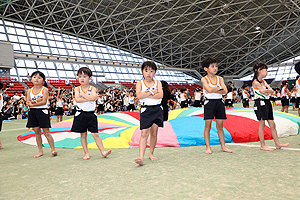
(39,99)
(154,91)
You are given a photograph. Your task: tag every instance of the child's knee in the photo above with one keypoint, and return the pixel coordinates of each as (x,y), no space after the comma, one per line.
(144,134)
(47,134)
(95,135)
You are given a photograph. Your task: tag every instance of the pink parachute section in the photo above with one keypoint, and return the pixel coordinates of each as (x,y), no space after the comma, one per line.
(165,137)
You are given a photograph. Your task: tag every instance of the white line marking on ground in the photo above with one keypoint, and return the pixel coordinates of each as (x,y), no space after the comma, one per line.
(252,145)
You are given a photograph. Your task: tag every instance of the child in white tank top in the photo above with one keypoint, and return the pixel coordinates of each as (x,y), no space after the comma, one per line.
(214,88)
(150,94)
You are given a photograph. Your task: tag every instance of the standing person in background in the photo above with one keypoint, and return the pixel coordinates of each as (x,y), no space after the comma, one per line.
(229,98)
(166,98)
(100,103)
(131,100)
(245,95)
(59,112)
(183,98)
(173,100)
(293,96)
(197,96)
(285,103)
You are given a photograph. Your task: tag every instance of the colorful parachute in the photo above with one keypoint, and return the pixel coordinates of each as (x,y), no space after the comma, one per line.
(184,128)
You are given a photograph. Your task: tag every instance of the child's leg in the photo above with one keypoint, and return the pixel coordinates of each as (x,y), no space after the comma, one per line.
(221,135)
(61,117)
(57,118)
(1,146)
(207,135)
(294,104)
(83,138)
(49,137)
(275,136)
(153,140)
(99,144)
(39,141)
(142,146)
(287,109)
(261,135)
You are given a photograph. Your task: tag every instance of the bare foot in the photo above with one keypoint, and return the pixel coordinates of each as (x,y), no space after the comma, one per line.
(139,161)
(282,145)
(265,148)
(152,157)
(226,150)
(208,151)
(86,157)
(54,153)
(106,153)
(38,155)
(1,147)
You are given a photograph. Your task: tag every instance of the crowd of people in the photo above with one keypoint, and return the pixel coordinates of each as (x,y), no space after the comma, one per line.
(61,102)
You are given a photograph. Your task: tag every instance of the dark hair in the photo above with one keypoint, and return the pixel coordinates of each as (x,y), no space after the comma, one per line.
(297,67)
(292,87)
(197,89)
(165,86)
(1,85)
(182,89)
(207,61)
(85,70)
(283,83)
(245,85)
(230,82)
(256,67)
(41,74)
(150,64)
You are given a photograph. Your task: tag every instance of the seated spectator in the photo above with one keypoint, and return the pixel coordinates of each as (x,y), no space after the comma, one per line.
(7,111)
(17,111)
(25,110)
(16,97)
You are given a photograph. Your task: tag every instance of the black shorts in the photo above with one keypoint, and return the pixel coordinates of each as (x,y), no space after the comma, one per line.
(263,109)
(166,112)
(59,111)
(84,121)
(184,104)
(285,101)
(150,115)
(214,109)
(245,103)
(293,99)
(297,102)
(197,103)
(272,98)
(130,107)
(38,117)
(100,107)
(229,102)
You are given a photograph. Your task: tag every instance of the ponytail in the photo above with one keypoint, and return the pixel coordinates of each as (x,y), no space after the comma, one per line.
(256,67)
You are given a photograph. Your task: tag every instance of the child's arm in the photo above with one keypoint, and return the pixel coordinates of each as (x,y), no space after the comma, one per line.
(42,100)
(262,90)
(91,97)
(78,97)
(210,89)
(141,95)
(158,94)
(247,93)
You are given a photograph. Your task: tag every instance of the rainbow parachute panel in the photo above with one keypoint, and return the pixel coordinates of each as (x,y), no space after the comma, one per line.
(184,128)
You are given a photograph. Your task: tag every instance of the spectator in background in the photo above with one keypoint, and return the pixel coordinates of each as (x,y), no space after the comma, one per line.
(25,110)
(16,97)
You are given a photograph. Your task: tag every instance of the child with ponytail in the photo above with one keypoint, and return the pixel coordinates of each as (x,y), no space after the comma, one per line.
(262,106)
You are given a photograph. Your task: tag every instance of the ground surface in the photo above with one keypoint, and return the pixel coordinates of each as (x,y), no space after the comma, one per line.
(180,173)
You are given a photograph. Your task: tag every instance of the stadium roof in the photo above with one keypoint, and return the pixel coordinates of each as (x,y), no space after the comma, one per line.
(176,33)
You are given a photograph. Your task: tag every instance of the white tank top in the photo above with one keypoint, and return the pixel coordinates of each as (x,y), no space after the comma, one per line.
(257,94)
(210,84)
(293,94)
(197,96)
(182,97)
(100,100)
(1,102)
(86,106)
(283,92)
(131,100)
(245,96)
(229,96)
(59,103)
(145,88)
(34,97)
(298,87)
